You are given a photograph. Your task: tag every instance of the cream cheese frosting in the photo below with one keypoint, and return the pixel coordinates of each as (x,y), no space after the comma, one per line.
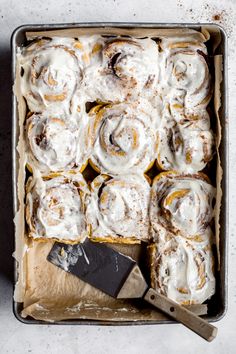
(51,73)
(183,271)
(118,207)
(127,68)
(63,74)
(183,66)
(182,143)
(123,138)
(181,205)
(55,207)
(56,143)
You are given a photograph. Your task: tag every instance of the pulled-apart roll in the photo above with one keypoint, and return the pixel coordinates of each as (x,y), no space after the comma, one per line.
(123,139)
(181,205)
(56,143)
(183,270)
(51,72)
(117,210)
(55,207)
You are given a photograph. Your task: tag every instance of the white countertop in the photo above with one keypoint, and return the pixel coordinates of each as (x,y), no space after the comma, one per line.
(16,337)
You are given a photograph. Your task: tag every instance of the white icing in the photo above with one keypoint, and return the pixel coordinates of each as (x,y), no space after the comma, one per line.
(123,139)
(194,118)
(55,207)
(119,207)
(184,271)
(55,143)
(183,67)
(126,68)
(67,257)
(52,72)
(181,205)
(182,143)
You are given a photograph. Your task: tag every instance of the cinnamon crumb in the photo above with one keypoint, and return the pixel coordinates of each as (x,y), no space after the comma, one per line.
(216,17)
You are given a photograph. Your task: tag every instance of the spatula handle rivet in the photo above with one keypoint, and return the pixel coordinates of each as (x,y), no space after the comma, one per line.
(152,297)
(172,309)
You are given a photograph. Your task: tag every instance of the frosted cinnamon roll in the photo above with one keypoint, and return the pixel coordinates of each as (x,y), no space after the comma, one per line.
(55,207)
(55,144)
(117,210)
(185,147)
(184,67)
(128,67)
(194,118)
(183,271)
(51,72)
(181,205)
(123,139)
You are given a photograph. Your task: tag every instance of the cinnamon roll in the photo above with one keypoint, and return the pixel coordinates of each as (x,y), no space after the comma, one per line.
(55,207)
(123,139)
(184,67)
(117,210)
(183,271)
(186,144)
(56,143)
(51,72)
(194,118)
(127,68)
(181,204)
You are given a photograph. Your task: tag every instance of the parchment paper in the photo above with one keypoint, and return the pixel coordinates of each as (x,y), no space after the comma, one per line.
(47,292)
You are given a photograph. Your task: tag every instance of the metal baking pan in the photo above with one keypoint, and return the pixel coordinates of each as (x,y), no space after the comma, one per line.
(217,306)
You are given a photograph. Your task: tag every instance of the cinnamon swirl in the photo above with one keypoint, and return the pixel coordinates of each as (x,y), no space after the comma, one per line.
(185,144)
(123,139)
(183,270)
(126,69)
(181,204)
(117,209)
(55,207)
(184,67)
(51,73)
(55,143)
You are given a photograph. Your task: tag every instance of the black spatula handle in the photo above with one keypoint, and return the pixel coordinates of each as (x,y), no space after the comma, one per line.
(181,314)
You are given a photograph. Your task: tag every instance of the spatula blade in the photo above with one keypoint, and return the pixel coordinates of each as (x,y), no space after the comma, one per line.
(94,263)
(119,276)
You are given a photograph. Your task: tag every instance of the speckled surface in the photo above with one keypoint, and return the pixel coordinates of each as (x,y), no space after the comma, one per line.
(16,337)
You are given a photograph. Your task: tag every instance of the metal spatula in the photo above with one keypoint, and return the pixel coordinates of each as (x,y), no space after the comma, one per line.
(119,276)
